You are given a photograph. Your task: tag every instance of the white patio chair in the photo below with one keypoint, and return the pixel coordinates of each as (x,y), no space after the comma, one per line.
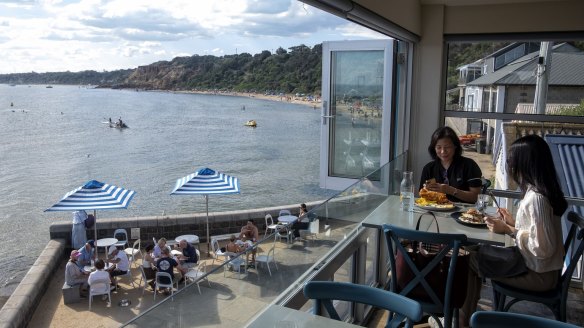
(283,231)
(128,275)
(237,263)
(99,287)
(133,251)
(284,212)
(122,242)
(313,229)
(142,278)
(216,250)
(194,275)
(162,281)
(269,224)
(267,258)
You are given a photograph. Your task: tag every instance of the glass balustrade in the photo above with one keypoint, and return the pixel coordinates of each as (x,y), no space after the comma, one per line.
(236,292)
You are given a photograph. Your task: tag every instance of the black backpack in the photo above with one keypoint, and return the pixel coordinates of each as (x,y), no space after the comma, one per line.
(90,221)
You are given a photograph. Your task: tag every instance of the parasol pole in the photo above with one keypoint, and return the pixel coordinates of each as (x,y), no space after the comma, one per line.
(207,208)
(95,234)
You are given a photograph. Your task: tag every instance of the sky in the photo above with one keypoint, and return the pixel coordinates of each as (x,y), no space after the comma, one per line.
(76,35)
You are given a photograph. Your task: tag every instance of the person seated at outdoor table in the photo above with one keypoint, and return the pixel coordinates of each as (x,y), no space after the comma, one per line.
(73,275)
(149,265)
(302,222)
(536,227)
(456,176)
(159,247)
(120,261)
(86,254)
(167,264)
(98,274)
(249,232)
(232,245)
(189,256)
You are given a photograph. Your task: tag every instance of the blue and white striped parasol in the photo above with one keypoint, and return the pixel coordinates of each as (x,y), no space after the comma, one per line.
(94,195)
(206,182)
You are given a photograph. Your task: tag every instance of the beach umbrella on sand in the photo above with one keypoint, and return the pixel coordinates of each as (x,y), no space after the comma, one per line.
(94,195)
(206,182)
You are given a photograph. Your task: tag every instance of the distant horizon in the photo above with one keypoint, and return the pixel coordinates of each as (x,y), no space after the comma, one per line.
(111,35)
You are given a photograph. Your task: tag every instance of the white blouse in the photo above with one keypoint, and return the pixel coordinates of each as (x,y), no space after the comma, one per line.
(539,233)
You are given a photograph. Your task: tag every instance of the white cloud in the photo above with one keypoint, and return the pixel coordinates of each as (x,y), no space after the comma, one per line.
(60,35)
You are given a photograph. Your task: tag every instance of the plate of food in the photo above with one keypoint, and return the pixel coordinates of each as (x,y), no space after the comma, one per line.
(434,201)
(472,217)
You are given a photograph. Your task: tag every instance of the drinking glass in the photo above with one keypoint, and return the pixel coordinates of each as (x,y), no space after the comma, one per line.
(482,203)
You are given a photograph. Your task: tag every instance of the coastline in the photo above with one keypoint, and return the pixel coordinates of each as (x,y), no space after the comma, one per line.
(289,98)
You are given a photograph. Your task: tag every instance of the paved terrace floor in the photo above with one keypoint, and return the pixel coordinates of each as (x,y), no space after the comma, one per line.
(229,302)
(237,300)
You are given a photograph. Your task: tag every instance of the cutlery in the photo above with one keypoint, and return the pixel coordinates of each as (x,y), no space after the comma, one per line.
(494,200)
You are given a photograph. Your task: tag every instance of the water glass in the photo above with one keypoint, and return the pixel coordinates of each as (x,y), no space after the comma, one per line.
(482,203)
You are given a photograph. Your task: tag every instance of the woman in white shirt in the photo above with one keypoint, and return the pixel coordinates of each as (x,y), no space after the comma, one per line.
(537,227)
(99,274)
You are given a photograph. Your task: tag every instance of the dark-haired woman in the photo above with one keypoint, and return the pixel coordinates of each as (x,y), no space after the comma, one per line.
(451,173)
(536,228)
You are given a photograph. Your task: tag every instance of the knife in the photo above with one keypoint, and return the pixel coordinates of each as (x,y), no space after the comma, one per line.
(494,200)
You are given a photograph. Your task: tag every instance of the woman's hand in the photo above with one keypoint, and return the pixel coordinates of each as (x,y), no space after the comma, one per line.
(497,225)
(504,213)
(437,187)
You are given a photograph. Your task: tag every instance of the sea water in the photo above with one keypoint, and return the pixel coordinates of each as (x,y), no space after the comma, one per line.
(53,140)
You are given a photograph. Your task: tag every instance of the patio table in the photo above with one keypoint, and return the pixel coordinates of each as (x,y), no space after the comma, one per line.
(389,212)
(105,243)
(280,316)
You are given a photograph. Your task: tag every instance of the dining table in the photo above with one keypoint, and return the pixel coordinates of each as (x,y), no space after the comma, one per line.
(191,239)
(389,212)
(283,317)
(105,243)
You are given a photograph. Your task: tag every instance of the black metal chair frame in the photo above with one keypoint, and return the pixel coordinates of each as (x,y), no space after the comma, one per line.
(324,292)
(451,245)
(554,299)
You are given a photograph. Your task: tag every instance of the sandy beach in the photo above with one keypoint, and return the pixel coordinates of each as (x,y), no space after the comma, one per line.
(315,103)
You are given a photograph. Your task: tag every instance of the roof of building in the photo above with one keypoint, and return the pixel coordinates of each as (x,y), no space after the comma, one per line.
(568,154)
(567,69)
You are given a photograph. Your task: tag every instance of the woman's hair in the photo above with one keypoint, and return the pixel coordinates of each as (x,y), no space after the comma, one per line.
(99,264)
(530,163)
(161,240)
(232,238)
(148,248)
(303,206)
(441,133)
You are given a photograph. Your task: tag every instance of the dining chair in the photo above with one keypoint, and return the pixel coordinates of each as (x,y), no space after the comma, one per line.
(495,319)
(99,287)
(216,250)
(284,212)
(235,262)
(555,299)
(313,229)
(196,275)
(267,259)
(133,251)
(122,242)
(163,280)
(324,293)
(437,303)
(142,278)
(269,224)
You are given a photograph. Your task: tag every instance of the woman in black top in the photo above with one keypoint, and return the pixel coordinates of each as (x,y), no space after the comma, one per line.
(457,176)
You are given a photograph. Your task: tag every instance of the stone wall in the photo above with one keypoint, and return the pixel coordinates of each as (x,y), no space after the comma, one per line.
(171,226)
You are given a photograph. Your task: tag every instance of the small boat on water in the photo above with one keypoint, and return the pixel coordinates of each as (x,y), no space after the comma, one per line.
(117,125)
(49,86)
(251,123)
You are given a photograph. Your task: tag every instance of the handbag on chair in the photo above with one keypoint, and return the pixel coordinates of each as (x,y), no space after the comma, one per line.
(422,254)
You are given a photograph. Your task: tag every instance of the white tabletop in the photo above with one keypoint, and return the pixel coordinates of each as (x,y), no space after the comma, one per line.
(176,252)
(389,213)
(287,218)
(89,268)
(279,316)
(191,239)
(105,242)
